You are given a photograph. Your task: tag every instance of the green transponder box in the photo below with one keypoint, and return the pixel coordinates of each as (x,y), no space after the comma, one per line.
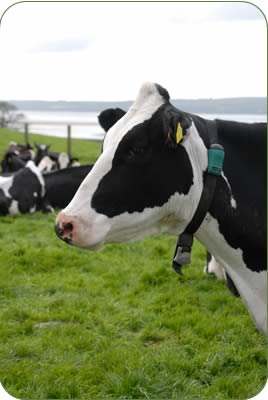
(215,160)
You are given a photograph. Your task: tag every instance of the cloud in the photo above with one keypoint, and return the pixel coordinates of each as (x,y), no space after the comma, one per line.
(62,45)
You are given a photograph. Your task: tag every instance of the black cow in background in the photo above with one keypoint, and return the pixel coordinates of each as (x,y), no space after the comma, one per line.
(62,185)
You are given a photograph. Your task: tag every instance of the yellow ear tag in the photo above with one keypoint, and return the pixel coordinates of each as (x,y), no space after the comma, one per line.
(169,135)
(179,134)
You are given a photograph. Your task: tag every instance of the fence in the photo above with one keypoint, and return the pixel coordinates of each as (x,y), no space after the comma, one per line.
(27,124)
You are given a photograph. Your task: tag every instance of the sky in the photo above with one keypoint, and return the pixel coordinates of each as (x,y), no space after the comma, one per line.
(105,51)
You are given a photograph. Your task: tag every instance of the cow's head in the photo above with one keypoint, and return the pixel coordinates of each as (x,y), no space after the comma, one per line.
(148,178)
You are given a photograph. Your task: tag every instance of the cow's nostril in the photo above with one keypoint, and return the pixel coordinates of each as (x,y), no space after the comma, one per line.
(67,229)
(64,231)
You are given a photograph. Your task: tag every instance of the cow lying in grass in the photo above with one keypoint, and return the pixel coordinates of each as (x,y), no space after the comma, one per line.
(23,192)
(48,161)
(17,155)
(28,190)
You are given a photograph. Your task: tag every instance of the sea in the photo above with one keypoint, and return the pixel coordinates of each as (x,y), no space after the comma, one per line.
(84,125)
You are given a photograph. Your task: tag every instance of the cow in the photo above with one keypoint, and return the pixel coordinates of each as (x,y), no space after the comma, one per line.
(152,176)
(16,157)
(48,161)
(107,118)
(23,192)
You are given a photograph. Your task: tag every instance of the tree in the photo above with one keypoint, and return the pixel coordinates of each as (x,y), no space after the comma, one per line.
(8,114)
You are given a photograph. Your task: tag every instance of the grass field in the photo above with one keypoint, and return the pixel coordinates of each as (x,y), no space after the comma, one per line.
(119,323)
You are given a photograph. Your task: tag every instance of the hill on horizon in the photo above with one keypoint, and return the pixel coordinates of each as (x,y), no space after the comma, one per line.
(237,105)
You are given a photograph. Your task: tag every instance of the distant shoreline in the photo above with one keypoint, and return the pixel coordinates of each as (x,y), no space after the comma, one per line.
(238,105)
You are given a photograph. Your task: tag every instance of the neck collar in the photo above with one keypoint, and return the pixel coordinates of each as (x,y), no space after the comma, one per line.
(182,254)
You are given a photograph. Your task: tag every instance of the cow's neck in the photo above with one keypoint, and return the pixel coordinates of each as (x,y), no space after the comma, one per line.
(216,236)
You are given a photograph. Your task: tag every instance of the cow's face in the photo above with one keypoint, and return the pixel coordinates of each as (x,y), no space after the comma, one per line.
(143,182)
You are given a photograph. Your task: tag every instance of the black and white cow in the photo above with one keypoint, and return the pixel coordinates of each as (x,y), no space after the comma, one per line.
(16,157)
(145,183)
(48,161)
(107,118)
(23,192)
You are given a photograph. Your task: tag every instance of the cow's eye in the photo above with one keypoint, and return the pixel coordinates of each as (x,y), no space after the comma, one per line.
(135,151)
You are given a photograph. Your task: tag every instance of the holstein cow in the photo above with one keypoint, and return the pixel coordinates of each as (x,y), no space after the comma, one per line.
(16,157)
(161,171)
(48,161)
(107,118)
(23,192)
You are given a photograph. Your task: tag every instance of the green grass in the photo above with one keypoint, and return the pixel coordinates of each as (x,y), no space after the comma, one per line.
(119,323)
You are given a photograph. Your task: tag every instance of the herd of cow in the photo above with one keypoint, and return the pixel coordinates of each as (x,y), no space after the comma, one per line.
(37,180)
(34,179)
(154,175)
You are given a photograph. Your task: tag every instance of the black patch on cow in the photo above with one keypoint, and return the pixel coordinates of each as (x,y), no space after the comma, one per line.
(162,91)
(4,203)
(25,184)
(243,227)
(145,172)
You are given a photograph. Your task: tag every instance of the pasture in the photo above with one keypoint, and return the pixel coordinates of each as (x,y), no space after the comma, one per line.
(118,323)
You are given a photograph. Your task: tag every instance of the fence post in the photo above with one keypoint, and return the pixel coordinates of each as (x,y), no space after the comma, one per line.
(69,140)
(26,133)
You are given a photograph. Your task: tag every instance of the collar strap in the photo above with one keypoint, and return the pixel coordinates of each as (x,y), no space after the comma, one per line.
(182,254)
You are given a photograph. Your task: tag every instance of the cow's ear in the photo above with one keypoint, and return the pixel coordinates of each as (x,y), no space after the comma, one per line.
(107,118)
(176,124)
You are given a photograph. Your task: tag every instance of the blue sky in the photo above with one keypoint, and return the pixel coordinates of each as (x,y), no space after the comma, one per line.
(102,51)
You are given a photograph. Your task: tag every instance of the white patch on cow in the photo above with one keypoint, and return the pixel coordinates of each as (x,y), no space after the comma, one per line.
(63,160)
(46,164)
(213,267)
(5,184)
(146,103)
(35,194)
(251,285)
(13,208)
(31,165)
(233,202)
(75,163)
(32,209)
